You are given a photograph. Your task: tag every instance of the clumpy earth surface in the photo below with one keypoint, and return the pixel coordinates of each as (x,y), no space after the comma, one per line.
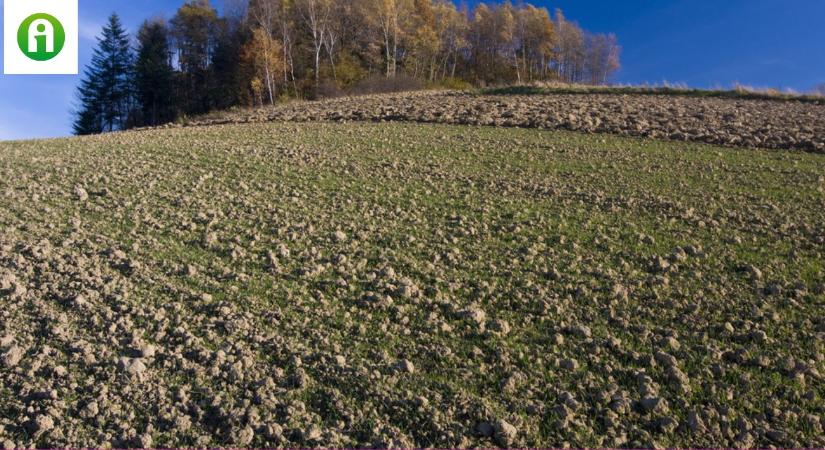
(409,285)
(775,123)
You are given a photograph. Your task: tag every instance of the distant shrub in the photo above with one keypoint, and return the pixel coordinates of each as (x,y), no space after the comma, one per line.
(379,84)
(819,90)
(348,70)
(328,89)
(456,84)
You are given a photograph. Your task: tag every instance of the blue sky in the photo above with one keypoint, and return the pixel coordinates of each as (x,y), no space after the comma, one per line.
(702,43)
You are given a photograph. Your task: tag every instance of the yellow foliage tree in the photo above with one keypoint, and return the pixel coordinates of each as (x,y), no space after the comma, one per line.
(266,57)
(537,37)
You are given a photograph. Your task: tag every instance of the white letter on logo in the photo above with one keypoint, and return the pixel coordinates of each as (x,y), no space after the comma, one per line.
(41,27)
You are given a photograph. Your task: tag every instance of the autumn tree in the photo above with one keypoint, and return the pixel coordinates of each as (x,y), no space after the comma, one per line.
(277,19)
(451,26)
(263,18)
(389,16)
(264,53)
(492,40)
(602,57)
(537,40)
(346,38)
(570,50)
(315,15)
(421,40)
(360,51)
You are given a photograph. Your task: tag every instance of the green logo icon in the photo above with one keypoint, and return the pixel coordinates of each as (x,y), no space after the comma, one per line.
(41,37)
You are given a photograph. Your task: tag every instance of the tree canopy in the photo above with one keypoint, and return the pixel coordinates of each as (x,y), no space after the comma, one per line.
(264,50)
(105,93)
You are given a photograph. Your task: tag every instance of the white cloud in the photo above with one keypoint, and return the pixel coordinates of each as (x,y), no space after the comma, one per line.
(89,31)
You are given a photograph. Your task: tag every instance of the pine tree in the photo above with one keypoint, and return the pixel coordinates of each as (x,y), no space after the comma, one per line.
(154,76)
(231,75)
(106,92)
(88,118)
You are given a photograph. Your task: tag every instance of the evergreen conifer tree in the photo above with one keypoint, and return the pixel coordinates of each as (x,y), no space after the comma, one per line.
(154,75)
(105,94)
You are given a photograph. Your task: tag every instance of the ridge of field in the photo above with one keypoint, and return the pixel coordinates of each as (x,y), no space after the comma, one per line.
(731,122)
(409,285)
(738,93)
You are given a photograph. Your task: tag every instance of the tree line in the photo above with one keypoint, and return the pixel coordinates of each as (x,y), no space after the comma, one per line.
(259,51)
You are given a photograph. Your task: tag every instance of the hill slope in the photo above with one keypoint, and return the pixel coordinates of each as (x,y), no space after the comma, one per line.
(408,285)
(694,116)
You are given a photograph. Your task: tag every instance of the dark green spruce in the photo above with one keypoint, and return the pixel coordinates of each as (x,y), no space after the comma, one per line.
(105,94)
(154,75)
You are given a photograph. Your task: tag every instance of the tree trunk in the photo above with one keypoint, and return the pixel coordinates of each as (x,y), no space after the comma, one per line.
(387,51)
(317,66)
(269,83)
(332,64)
(285,40)
(395,52)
